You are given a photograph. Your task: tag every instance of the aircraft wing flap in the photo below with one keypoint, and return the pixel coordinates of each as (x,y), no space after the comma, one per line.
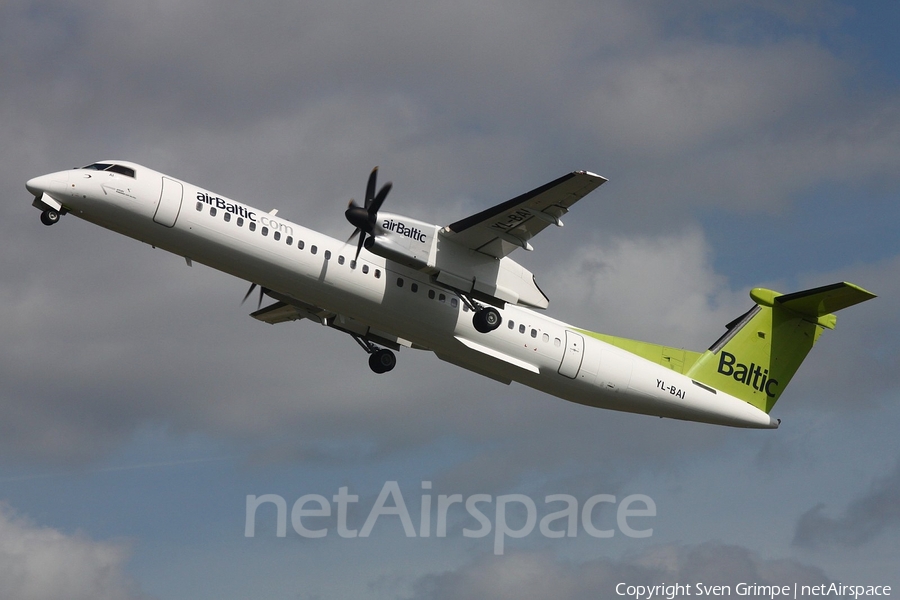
(501,229)
(279,313)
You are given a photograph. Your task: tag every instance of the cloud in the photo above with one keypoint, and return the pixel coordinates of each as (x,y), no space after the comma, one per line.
(41,563)
(534,575)
(864,519)
(661,289)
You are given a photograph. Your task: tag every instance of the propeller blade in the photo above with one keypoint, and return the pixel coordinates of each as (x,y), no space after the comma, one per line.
(250,291)
(262,291)
(359,247)
(370,187)
(379,200)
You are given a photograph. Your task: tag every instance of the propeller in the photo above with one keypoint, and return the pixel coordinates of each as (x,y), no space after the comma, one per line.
(262,291)
(364,217)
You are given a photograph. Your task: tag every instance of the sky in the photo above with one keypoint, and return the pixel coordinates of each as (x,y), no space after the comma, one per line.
(749,143)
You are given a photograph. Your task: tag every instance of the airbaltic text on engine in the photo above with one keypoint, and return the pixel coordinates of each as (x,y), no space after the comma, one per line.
(401,229)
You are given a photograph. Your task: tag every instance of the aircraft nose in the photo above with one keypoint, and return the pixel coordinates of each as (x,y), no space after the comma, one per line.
(46,183)
(35,185)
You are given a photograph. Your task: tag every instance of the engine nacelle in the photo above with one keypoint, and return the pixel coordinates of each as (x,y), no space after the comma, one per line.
(420,246)
(407,241)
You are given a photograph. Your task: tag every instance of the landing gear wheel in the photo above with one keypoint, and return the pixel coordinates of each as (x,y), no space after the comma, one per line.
(382,361)
(49,217)
(487,319)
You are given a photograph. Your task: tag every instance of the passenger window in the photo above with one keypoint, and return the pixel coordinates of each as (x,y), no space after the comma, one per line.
(534,333)
(240,221)
(414,287)
(252,226)
(328,255)
(377,273)
(431,294)
(277,235)
(212,211)
(300,244)
(454,302)
(557,342)
(264,231)
(545,338)
(227,217)
(352,264)
(521,329)
(512,324)
(199,206)
(313,249)
(289,240)
(399,282)
(341,259)
(365,268)
(442,298)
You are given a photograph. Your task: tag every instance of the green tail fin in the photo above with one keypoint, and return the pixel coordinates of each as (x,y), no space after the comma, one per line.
(762,349)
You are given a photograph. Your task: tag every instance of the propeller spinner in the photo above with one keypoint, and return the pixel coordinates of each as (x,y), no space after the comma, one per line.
(364,217)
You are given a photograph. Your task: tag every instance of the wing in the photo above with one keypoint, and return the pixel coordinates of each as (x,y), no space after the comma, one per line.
(499,230)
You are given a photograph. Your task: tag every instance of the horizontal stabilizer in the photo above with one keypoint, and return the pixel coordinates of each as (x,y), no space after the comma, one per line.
(824,300)
(816,303)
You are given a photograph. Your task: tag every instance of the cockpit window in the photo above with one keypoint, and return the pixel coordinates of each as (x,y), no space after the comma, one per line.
(121,170)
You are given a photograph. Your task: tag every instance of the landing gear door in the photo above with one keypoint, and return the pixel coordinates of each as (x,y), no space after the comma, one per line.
(169,203)
(574,354)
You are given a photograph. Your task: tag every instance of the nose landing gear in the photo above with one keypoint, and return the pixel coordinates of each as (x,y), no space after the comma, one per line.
(49,216)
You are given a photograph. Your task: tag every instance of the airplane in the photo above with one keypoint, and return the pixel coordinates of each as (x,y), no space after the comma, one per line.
(454,290)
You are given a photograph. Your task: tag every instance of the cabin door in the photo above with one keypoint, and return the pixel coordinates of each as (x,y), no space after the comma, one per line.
(169,203)
(571,360)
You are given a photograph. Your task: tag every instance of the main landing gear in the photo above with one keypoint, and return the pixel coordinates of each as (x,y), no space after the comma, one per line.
(381,360)
(486,319)
(49,216)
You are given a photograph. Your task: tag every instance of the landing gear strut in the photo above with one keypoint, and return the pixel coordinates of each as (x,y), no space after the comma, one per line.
(49,216)
(381,360)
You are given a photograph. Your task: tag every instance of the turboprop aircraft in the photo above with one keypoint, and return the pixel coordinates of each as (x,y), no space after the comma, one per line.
(454,290)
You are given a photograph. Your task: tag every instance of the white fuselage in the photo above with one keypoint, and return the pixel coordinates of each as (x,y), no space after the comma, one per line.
(315,269)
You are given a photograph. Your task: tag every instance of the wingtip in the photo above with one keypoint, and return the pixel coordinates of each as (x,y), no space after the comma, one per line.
(594,175)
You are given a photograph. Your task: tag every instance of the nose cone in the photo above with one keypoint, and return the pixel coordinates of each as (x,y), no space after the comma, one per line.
(35,185)
(54,182)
